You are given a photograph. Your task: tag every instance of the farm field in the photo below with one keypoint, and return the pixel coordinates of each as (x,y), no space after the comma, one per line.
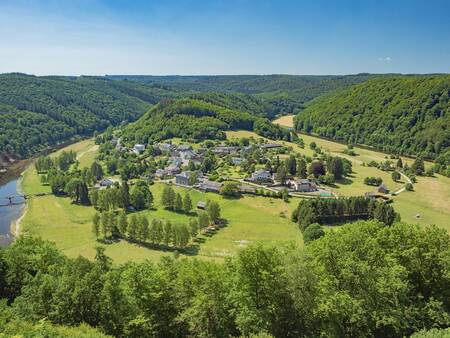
(250,219)
(430,200)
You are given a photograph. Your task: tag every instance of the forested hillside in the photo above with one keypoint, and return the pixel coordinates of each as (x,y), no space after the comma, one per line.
(39,111)
(279,94)
(195,119)
(405,114)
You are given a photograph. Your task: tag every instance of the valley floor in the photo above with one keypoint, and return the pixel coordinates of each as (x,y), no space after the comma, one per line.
(250,218)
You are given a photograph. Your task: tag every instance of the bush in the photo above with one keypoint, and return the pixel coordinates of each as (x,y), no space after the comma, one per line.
(312,232)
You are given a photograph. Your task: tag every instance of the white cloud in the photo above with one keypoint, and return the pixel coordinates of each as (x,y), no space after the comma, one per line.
(385,59)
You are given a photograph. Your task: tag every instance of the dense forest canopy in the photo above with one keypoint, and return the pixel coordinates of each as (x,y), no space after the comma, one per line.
(196,120)
(36,112)
(404,114)
(280,94)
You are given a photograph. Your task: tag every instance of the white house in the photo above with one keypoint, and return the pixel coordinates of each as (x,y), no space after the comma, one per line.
(138,148)
(261,175)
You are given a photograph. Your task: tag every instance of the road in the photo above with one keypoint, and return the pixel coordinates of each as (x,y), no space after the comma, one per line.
(402,189)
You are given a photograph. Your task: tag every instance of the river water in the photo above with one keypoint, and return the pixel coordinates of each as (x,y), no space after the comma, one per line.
(9,213)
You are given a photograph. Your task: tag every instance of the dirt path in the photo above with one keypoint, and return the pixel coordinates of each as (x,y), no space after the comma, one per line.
(402,189)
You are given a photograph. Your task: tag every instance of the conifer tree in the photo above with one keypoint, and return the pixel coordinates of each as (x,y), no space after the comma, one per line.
(187,204)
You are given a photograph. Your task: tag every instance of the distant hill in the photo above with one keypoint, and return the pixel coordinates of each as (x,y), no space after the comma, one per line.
(36,112)
(401,114)
(278,94)
(195,119)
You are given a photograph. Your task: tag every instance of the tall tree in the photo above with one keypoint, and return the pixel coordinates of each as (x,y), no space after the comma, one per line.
(187,203)
(97,171)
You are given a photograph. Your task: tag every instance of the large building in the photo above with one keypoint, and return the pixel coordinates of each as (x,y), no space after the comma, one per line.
(304,185)
(261,175)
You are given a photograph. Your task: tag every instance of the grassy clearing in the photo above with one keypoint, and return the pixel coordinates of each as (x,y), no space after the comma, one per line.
(285,121)
(69,226)
(431,198)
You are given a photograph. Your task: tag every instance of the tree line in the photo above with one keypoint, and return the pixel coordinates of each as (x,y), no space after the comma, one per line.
(342,209)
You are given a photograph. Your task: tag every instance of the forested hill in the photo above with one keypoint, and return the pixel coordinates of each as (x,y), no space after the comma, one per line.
(36,112)
(196,119)
(404,114)
(279,94)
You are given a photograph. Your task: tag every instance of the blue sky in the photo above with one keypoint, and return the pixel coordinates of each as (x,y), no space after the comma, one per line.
(99,37)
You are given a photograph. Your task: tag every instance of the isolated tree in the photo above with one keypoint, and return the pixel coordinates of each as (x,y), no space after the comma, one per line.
(399,163)
(187,203)
(395,176)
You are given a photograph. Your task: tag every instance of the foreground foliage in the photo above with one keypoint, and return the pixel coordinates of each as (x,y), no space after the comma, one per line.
(366,279)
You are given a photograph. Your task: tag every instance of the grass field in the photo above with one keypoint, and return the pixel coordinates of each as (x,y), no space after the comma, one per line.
(250,219)
(431,196)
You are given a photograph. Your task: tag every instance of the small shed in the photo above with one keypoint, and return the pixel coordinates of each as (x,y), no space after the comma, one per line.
(383,189)
(201,205)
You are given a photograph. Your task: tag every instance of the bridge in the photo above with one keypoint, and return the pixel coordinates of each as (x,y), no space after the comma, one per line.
(19,199)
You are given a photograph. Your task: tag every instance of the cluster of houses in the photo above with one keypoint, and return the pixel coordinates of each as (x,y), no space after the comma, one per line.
(298,185)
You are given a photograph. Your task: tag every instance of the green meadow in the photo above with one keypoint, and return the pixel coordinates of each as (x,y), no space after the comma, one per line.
(249,219)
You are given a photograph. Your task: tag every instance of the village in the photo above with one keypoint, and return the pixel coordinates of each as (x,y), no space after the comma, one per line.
(250,164)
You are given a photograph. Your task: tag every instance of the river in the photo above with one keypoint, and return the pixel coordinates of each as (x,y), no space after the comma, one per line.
(9,213)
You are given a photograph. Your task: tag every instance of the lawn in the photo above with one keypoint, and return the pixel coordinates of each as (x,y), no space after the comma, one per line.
(431,196)
(250,219)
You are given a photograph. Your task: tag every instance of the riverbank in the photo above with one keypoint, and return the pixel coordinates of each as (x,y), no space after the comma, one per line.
(14,170)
